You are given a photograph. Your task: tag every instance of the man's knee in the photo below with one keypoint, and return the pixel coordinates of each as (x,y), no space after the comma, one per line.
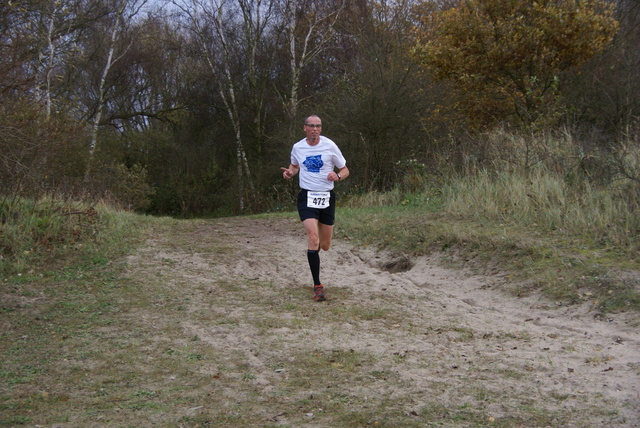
(314,241)
(325,246)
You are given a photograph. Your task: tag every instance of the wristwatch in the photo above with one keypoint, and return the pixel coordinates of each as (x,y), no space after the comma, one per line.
(339,178)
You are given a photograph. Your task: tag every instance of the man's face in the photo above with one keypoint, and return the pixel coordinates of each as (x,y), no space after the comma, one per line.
(312,128)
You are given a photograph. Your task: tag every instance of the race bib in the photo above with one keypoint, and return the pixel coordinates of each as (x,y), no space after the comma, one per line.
(318,200)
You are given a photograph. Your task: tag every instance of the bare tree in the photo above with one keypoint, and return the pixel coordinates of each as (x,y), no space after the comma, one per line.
(212,21)
(16,38)
(258,19)
(56,24)
(306,41)
(126,10)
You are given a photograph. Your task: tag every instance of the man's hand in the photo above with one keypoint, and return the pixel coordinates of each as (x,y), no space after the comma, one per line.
(287,173)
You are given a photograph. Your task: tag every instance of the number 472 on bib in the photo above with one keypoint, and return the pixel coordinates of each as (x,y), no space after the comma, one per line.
(318,199)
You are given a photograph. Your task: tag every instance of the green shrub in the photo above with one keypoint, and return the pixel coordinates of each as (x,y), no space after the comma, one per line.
(122,186)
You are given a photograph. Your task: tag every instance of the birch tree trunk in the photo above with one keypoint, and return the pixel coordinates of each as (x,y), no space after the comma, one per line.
(116,31)
(51,50)
(103,79)
(256,16)
(228,94)
(213,13)
(57,30)
(303,52)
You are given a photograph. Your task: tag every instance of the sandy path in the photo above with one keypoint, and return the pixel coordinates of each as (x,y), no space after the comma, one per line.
(449,328)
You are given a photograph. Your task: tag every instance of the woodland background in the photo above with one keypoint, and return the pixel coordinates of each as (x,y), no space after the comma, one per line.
(189,107)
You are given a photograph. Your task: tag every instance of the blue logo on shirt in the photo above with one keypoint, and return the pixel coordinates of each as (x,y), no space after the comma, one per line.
(313,163)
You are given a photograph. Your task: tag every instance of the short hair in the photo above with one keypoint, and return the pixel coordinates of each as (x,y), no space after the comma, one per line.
(309,117)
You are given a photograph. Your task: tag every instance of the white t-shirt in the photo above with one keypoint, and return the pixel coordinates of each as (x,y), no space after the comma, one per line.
(316,162)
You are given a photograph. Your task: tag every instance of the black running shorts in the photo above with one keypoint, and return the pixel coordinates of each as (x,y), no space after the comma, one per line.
(325,215)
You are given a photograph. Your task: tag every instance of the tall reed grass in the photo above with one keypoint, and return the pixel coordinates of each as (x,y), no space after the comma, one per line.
(546,201)
(548,182)
(555,182)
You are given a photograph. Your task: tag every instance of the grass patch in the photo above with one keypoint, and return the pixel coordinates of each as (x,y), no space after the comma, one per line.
(62,300)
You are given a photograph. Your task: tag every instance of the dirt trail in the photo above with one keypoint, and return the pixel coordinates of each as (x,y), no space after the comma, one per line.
(440,332)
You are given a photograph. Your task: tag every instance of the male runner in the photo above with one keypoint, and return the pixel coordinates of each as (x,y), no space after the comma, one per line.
(316,157)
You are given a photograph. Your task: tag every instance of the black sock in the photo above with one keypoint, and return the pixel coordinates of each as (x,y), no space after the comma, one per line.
(314,264)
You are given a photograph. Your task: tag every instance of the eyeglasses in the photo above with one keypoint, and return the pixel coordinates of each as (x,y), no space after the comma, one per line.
(313,125)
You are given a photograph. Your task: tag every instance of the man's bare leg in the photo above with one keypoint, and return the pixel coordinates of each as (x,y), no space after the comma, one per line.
(325,232)
(316,235)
